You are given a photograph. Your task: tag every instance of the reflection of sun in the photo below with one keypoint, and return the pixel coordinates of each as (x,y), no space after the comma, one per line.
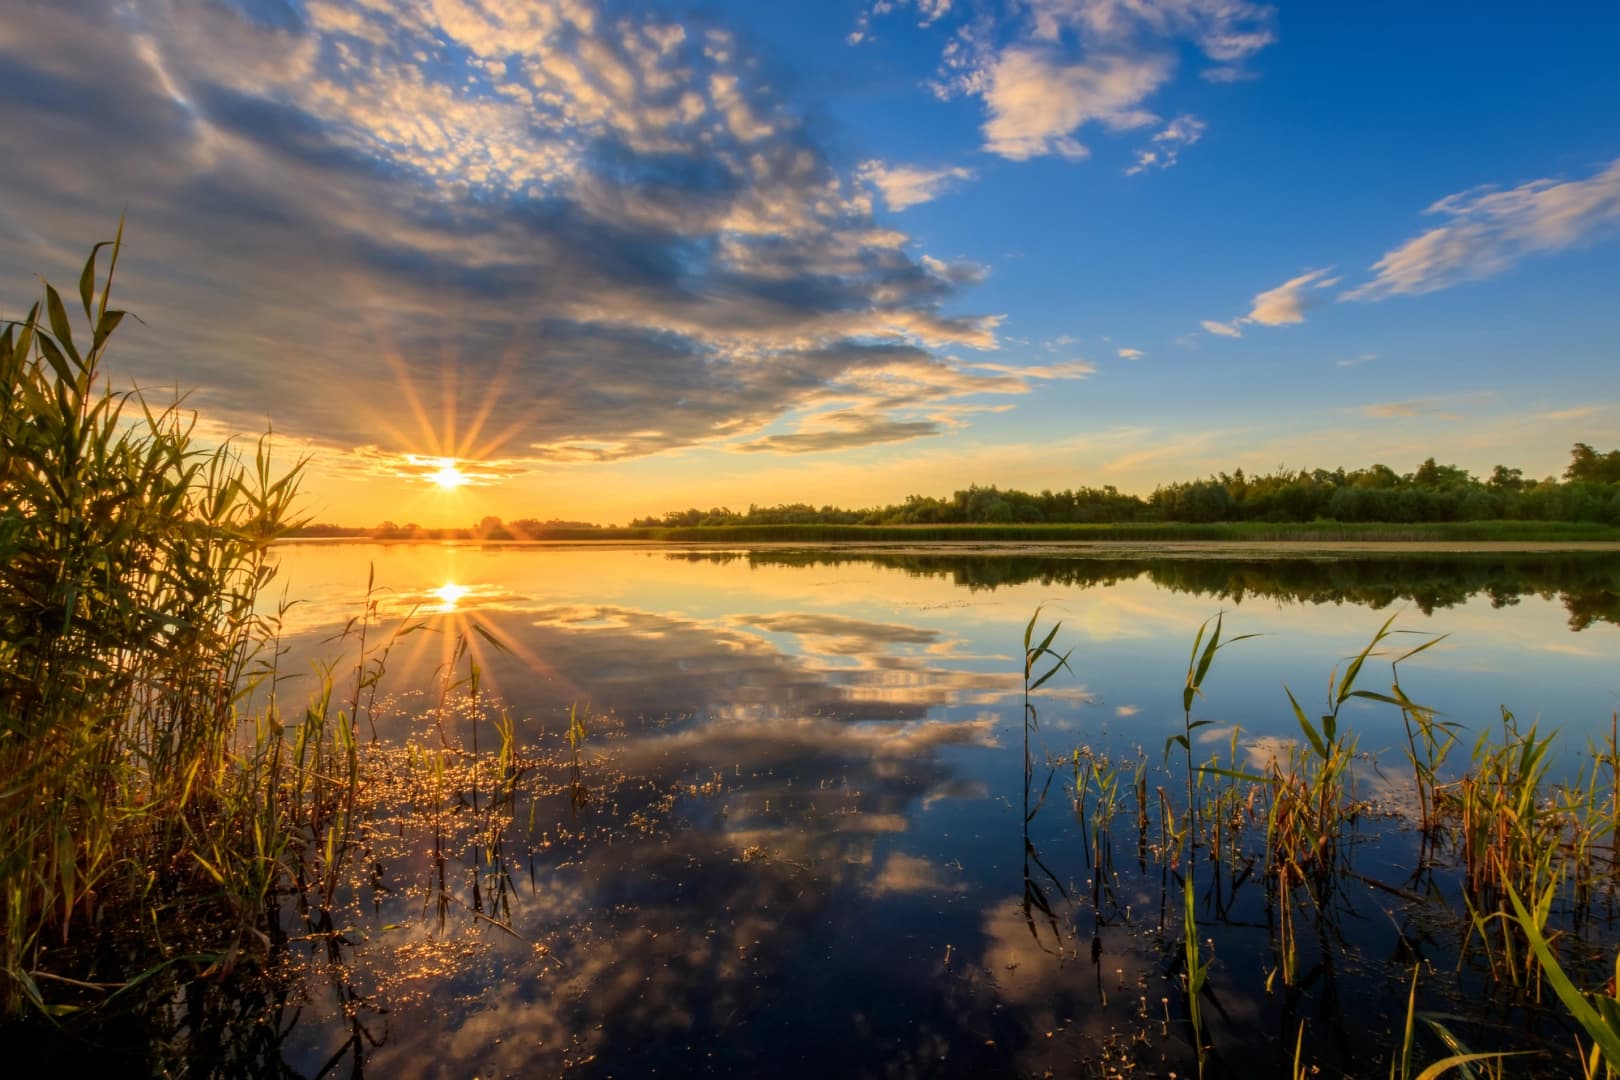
(448,477)
(450,594)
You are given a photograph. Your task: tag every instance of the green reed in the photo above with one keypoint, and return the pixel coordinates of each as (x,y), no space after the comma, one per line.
(130,559)
(1197,973)
(1598,1014)
(1035,654)
(1460,1058)
(1198,665)
(1097,800)
(1507,830)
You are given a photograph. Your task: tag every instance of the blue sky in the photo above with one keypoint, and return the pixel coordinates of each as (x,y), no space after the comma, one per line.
(616,258)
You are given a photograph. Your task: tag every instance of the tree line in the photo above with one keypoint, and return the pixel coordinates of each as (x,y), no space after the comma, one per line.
(1589,491)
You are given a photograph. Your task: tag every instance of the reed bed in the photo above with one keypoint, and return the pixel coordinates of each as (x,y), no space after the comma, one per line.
(139,794)
(1520,867)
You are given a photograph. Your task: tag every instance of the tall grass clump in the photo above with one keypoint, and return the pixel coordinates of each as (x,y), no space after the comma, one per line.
(130,559)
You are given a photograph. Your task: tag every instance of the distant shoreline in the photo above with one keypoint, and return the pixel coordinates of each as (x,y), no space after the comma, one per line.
(1228,537)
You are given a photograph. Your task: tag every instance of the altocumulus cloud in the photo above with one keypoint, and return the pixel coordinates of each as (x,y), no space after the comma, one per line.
(1047,69)
(521,230)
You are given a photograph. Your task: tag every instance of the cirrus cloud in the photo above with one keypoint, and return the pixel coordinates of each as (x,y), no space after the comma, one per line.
(1488,230)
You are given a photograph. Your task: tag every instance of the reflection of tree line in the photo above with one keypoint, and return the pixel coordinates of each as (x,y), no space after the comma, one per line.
(1587,583)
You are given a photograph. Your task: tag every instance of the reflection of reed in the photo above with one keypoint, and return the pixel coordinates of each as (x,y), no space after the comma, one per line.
(1035,898)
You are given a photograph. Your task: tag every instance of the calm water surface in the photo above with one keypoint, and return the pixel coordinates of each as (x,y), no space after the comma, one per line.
(793,841)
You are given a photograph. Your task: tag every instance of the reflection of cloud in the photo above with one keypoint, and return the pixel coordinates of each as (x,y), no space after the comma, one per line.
(843,678)
(841,634)
(955,789)
(782,739)
(904,873)
(1567,650)
(1386,791)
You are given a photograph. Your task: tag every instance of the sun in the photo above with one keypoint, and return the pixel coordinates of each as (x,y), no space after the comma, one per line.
(448,477)
(449,595)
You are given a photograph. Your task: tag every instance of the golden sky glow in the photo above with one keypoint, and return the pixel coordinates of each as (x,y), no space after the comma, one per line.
(448,477)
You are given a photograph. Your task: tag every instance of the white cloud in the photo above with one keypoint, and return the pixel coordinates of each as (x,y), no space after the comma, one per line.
(1354,361)
(1444,407)
(928,13)
(1052,67)
(960,272)
(1131,354)
(1226,31)
(1165,148)
(1282,306)
(907,185)
(1286,304)
(1037,102)
(1488,230)
(1579,412)
(1065,369)
(1389,410)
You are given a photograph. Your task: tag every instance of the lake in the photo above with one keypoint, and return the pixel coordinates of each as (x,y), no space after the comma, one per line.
(789,832)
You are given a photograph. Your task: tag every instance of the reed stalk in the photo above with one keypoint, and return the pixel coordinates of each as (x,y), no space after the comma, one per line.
(131,557)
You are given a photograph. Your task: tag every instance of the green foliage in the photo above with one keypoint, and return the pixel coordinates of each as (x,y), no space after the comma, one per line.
(1598,1014)
(1430,494)
(130,559)
(1588,466)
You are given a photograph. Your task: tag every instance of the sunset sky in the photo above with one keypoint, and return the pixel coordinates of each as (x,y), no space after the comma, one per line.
(615,259)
